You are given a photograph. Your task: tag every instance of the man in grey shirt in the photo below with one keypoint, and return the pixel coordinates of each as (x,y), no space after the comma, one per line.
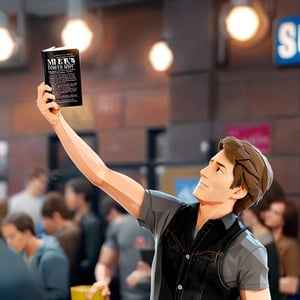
(187,265)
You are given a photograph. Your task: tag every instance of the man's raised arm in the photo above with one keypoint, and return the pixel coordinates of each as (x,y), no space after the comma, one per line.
(120,187)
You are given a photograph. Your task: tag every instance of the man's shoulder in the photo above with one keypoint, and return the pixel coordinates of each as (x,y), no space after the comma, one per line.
(246,240)
(18,196)
(50,249)
(244,246)
(72,231)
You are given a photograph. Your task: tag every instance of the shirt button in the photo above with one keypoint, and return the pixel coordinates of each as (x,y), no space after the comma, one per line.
(179,287)
(187,256)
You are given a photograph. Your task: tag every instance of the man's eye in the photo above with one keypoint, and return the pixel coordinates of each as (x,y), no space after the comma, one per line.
(219,170)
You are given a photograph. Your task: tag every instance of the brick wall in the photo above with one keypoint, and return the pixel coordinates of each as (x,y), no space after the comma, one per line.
(124,97)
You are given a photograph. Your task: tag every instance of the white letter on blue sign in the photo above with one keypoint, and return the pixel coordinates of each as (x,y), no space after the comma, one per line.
(287,39)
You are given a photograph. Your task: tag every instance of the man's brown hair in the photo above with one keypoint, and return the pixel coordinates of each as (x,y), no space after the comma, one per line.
(252,170)
(37,172)
(21,220)
(55,202)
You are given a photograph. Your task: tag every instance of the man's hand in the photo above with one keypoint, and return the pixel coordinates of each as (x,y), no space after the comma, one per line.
(50,110)
(101,286)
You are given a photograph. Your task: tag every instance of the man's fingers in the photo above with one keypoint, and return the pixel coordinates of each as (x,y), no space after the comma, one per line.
(104,289)
(42,88)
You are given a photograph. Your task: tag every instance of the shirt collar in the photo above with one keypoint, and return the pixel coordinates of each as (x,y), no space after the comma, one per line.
(228,220)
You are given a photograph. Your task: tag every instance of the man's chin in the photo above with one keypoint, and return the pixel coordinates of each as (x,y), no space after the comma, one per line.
(207,202)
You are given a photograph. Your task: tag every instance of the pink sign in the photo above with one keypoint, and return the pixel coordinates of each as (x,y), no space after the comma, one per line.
(258,135)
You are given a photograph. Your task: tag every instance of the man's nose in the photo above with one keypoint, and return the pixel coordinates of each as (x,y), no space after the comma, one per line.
(204,170)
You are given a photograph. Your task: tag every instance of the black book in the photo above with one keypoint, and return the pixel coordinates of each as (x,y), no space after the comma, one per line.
(62,73)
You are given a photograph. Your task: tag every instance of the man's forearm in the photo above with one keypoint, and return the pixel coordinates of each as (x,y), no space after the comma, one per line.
(123,189)
(103,273)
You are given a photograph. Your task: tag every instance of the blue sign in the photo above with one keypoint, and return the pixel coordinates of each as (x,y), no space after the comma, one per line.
(184,189)
(287,41)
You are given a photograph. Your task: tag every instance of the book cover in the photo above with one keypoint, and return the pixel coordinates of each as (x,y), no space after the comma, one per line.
(62,73)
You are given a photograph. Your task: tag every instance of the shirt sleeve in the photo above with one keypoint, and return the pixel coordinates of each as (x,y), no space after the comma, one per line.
(111,237)
(254,271)
(157,211)
(245,264)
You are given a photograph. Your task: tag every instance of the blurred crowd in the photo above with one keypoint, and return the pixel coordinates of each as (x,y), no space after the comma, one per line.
(52,240)
(64,243)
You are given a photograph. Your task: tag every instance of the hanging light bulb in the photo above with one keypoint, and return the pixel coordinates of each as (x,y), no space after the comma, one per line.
(242,23)
(6,41)
(76,32)
(161,56)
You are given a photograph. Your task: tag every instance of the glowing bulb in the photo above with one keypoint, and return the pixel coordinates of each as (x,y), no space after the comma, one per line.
(242,23)
(77,34)
(7,44)
(161,56)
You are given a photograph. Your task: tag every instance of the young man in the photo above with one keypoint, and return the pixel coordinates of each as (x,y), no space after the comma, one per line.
(15,279)
(58,222)
(44,257)
(78,193)
(124,242)
(202,251)
(30,200)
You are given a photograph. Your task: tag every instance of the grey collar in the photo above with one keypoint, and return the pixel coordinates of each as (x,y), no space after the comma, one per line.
(228,220)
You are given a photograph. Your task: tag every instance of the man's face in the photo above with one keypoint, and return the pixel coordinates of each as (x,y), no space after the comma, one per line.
(49,225)
(39,184)
(273,217)
(215,181)
(15,238)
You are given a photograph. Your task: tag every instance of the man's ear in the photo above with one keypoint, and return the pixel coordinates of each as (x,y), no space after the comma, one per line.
(240,192)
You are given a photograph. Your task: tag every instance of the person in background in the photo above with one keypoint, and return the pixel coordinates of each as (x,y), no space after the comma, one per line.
(251,218)
(122,248)
(30,200)
(46,260)
(16,282)
(78,193)
(3,211)
(274,193)
(282,219)
(58,222)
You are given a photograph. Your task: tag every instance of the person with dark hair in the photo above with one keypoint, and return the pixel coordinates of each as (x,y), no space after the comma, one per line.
(121,250)
(45,258)
(16,282)
(58,222)
(30,200)
(274,193)
(78,194)
(282,219)
(202,250)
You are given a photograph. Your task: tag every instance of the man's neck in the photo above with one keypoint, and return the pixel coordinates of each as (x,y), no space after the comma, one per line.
(277,233)
(31,192)
(81,211)
(32,246)
(207,212)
